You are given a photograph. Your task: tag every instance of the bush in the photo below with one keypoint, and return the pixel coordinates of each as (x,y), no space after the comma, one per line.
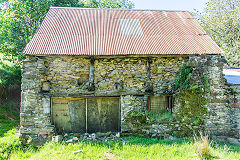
(10,75)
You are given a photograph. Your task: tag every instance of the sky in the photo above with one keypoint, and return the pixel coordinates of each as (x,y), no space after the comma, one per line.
(186,5)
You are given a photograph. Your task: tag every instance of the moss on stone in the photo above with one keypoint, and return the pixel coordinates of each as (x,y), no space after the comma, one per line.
(191,112)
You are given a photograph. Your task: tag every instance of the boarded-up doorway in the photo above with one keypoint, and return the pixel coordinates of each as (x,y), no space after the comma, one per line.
(92,114)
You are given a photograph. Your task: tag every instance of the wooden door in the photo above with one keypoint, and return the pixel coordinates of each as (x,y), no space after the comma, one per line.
(103,114)
(61,115)
(77,110)
(80,115)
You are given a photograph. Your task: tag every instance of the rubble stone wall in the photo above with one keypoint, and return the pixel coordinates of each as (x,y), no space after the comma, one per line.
(217,119)
(234,104)
(35,117)
(44,77)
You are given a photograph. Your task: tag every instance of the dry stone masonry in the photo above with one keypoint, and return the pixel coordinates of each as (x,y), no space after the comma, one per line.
(129,78)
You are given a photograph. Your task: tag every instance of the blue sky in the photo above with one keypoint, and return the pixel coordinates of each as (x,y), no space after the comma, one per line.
(187,5)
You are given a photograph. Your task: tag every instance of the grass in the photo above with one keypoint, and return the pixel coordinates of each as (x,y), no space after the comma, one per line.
(126,148)
(9,118)
(203,145)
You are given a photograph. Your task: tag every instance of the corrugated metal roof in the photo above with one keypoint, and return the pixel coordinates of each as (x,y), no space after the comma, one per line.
(232,75)
(84,31)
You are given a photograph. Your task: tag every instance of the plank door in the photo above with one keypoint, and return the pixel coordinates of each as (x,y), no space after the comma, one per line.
(61,115)
(77,110)
(103,114)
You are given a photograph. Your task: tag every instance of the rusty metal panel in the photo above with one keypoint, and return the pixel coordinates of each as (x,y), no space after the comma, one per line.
(159,103)
(78,115)
(85,31)
(61,117)
(103,114)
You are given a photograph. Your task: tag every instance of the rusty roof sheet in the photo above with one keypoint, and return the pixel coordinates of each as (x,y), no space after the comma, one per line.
(85,31)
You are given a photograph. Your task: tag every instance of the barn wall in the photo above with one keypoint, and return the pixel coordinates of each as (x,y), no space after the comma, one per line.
(234,105)
(69,75)
(126,77)
(217,119)
(35,117)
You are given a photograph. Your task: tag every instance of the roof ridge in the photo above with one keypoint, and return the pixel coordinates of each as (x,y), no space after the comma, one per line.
(118,9)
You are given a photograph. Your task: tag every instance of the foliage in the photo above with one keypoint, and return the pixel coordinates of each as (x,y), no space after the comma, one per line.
(159,117)
(21,18)
(18,23)
(10,75)
(133,148)
(183,79)
(221,20)
(192,98)
(9,118)
(95,3)
(150,116)
(8,144)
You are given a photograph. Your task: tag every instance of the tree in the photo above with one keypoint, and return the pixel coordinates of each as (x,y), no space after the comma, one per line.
(19,20)
(18,23)
(221,20)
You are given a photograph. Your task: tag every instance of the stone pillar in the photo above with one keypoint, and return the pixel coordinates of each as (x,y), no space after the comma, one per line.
(217,119)
(129,104)
(35,116)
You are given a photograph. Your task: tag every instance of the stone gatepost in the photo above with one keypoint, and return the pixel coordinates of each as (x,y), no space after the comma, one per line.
(35,116)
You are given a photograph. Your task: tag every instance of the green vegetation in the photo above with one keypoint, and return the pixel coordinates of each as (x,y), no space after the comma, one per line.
(124,148)
(183,79)
(134,148)
(9,118)
(192,97)
(192,111)
(20,19)
(159,117)
(10,74)
(221,20)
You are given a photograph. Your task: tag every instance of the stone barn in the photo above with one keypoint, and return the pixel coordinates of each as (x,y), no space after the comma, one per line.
(100,70)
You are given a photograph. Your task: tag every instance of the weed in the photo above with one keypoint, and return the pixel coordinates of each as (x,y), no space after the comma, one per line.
(203,146)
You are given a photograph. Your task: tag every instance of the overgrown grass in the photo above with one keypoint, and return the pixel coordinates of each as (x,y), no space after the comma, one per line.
(135,148)
(9,118)
(125,148)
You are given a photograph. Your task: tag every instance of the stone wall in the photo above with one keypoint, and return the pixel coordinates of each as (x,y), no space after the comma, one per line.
(163,73)
(127,77)
(217,119)
(35,117)
(130,104)
(234,105)
(67,75)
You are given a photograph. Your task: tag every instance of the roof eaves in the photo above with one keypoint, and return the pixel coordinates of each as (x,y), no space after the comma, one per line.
(118,9)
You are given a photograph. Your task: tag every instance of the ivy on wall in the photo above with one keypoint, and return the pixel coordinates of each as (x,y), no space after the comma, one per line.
(183,79)
(192,98)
